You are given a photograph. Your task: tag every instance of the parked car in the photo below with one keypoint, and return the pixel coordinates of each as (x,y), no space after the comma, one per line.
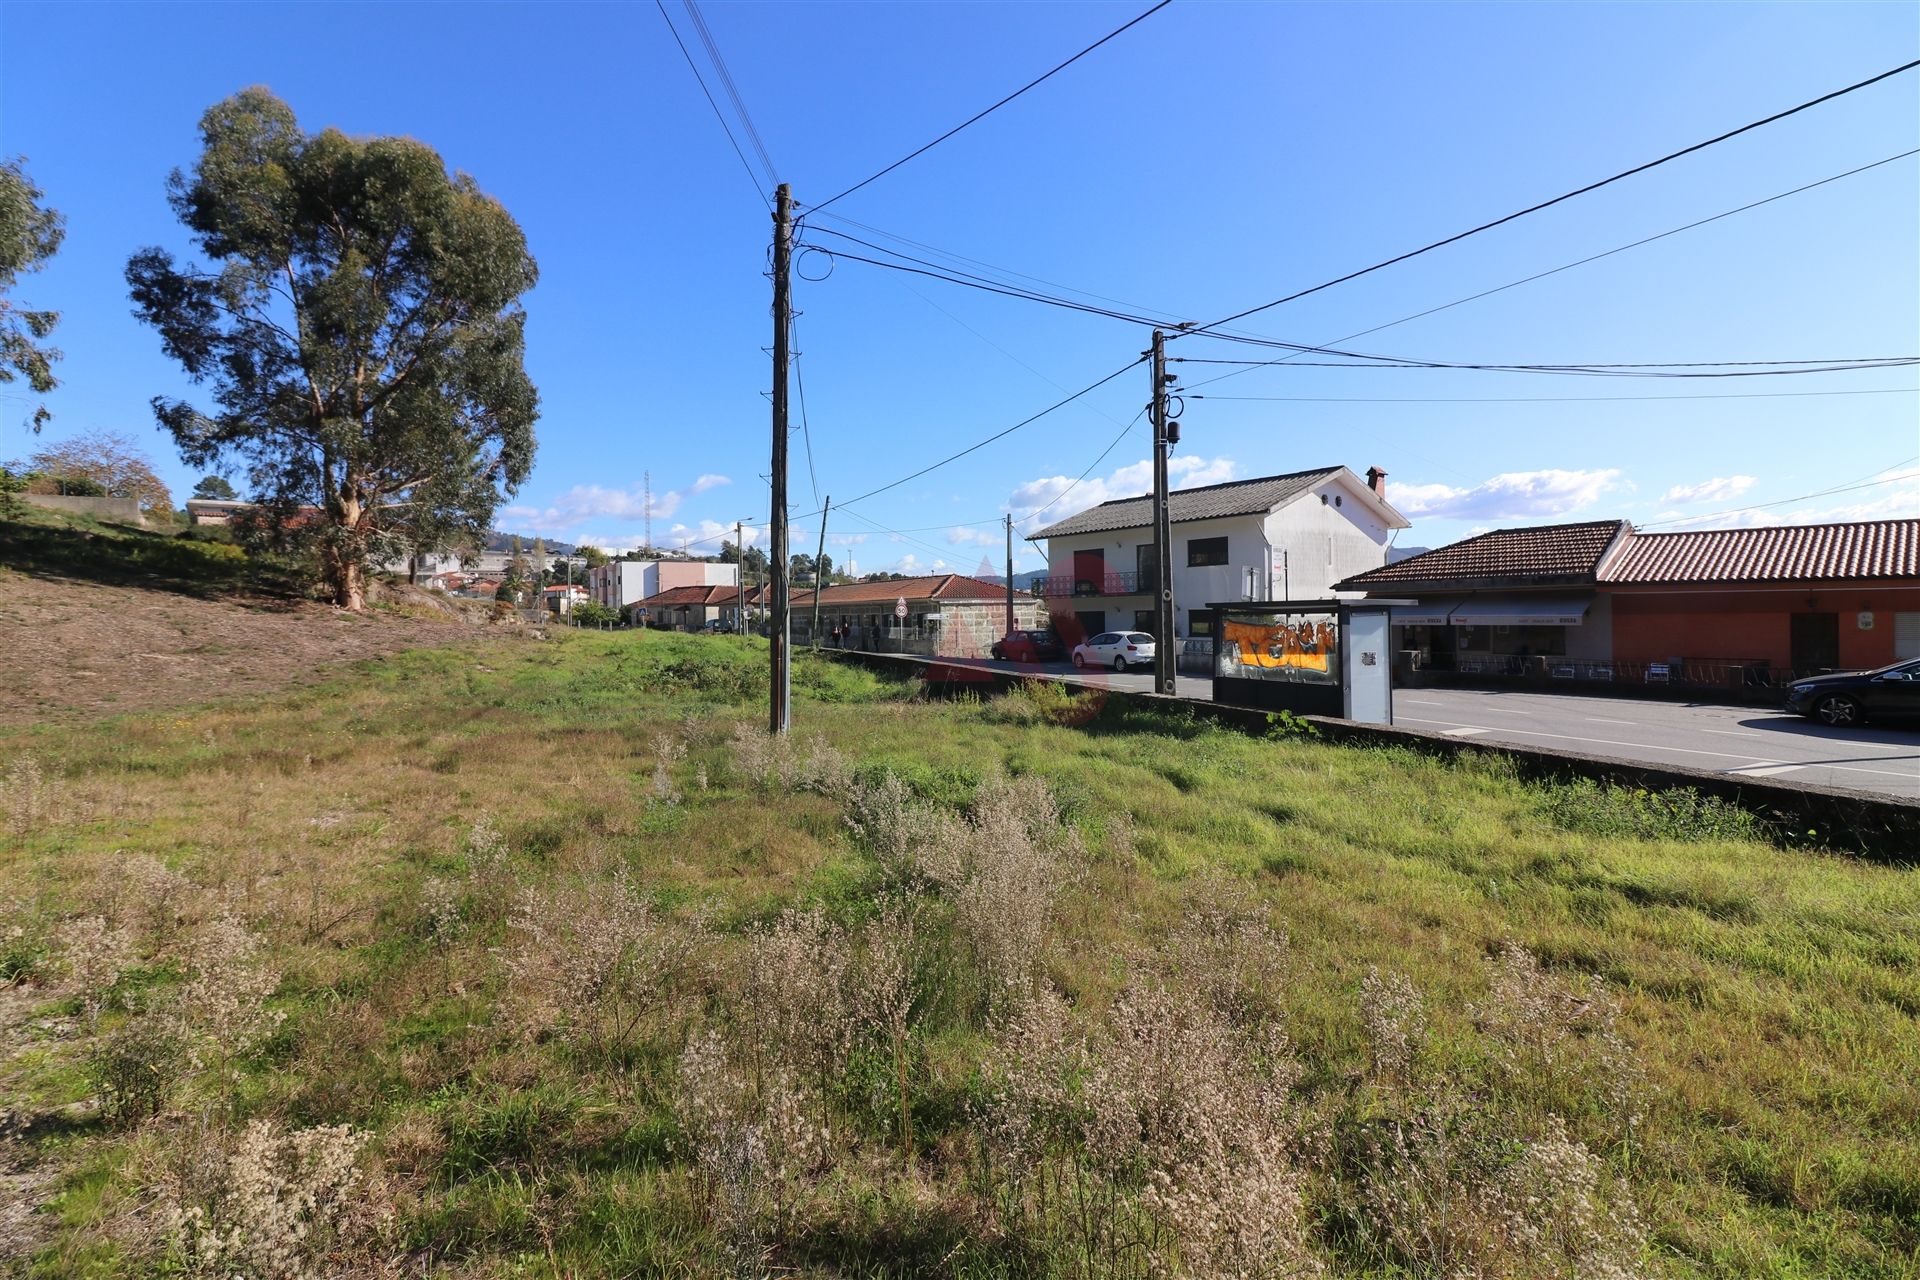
(717,627)
(1849,697)
(1028,646)
(1116,649)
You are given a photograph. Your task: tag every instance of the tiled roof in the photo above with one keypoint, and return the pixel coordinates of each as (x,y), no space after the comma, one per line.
(1235,498)
(696,595)
(1784,553)
(939,586)
(1545,555)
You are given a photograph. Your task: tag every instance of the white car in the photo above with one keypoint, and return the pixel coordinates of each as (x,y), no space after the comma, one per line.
(1116,649)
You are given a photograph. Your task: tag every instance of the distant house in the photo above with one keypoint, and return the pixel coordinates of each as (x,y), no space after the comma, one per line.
(948,615)
(1292,536)
(621,583)
(691,608)
(1603,601)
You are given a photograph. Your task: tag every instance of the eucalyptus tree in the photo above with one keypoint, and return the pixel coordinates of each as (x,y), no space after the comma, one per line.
(30,234)
(357,321)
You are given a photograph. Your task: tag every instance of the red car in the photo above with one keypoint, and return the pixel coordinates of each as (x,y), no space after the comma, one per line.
(1028,646)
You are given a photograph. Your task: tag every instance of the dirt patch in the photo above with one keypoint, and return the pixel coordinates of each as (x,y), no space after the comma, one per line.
(76,650)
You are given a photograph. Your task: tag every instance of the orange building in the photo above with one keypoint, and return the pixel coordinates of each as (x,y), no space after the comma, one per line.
(1603,603)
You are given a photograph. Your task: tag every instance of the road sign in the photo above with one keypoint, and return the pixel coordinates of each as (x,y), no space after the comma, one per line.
(900,608)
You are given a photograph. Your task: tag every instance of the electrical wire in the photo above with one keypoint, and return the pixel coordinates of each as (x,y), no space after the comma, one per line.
(717,114)
(1111,446)
(1849,487)
(732,91)
(1735,395)
(981,444)
(995,107)
(1693,369)
(1560,199)
(1595,257)
(800,382)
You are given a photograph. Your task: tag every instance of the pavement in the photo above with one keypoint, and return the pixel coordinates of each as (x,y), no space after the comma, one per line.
(1753,742)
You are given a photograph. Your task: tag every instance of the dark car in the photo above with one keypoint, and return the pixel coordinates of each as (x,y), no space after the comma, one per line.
(1849,697)
(1028,646)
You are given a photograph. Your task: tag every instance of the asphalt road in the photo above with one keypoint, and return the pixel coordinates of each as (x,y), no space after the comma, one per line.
(1748,741)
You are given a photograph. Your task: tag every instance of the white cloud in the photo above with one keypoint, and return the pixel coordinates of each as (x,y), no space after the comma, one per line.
(846,539)
(1890,495)
(705,537)
(1718,489)
(707,482)
(1514,495)
(963,536)
(1131,481)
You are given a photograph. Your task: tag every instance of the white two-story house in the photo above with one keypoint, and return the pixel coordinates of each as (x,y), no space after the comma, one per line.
(1287,537)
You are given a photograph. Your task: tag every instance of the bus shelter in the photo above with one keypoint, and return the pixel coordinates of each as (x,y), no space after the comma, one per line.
(1310,657)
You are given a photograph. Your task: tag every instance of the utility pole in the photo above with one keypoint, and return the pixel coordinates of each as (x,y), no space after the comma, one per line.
(819,585)
(739,581)
(1010,622)
(1163,638)
(646,507)
(780,717)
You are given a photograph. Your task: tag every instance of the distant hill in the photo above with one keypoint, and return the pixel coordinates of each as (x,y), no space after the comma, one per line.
(1396,554)
(497,541)
(1021,581)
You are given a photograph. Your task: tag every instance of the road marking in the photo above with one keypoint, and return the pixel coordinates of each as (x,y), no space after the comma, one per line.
(1735,733)
(1413,702)
(1604,720)
(1764,768)
(1465,731)
(1506,711)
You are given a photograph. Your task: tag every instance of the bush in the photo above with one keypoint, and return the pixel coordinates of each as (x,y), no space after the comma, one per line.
(134,1069)
(591,613)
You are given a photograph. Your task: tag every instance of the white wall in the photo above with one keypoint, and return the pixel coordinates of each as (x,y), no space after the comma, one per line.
(1323,544)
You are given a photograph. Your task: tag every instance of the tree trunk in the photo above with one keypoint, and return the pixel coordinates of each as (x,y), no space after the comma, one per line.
(345,578)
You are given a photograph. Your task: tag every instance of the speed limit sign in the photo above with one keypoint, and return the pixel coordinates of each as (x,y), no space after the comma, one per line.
(900,608)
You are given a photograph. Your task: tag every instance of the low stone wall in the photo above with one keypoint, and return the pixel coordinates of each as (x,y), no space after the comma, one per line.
(1884,828)
(119,510)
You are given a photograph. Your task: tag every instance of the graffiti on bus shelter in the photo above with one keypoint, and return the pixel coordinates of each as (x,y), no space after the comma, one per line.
(1277,646)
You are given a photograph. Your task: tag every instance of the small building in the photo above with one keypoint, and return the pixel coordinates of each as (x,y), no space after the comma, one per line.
(1601,602)
(621,583)
(691,608)
(1292,536)
(949,615)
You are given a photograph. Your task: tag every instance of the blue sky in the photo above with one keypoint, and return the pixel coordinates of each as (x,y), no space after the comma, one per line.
(1214,157)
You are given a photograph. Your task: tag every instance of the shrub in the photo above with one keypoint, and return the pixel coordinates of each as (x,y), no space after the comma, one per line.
(95,954)
(591,613)
(134,1068)
(289,1205)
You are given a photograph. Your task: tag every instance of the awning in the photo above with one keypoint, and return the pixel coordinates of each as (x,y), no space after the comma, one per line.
(1522,611)
(1421,615)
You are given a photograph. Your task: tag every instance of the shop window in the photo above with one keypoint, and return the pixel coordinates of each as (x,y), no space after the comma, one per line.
(1204,552)
(1200,625)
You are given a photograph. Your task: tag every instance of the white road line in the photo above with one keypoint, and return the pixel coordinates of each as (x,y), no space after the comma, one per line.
(1465,731)
(1762,768)
(1735,733)
(1414,702)
(1506,711)
(1604,720)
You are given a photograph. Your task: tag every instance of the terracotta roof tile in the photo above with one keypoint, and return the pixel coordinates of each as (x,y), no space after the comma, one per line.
(1782,553)
(1544,555)
(939,586)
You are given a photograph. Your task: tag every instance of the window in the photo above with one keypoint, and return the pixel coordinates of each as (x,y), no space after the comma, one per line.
(1142,621)
(1199,624)
(1202,552)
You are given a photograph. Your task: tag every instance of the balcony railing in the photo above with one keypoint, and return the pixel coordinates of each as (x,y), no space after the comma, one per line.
(1109,583)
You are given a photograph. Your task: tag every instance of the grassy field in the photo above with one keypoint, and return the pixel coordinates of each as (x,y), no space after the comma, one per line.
(539,959)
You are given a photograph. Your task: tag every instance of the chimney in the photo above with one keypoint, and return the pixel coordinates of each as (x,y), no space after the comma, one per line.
(1377,481)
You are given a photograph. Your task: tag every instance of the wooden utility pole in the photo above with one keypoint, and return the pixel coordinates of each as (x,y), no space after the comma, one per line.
(1010,622)
(1163,638)
(818,583)
(739,581)
(780,714)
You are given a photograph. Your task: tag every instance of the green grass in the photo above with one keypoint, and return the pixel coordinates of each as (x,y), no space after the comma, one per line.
(1771,996)
(198,561)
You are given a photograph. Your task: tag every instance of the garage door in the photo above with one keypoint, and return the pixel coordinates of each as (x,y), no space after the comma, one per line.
(1906,635)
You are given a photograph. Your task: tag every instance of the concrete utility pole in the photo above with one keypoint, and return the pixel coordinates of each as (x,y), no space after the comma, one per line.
(1163,638)
(818,584)
(780,714)
(1010,623)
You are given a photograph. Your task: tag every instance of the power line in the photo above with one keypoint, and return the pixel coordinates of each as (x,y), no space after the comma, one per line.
(1805,497)
(717,115)
(732,91)
(1665,369)
(1111,446)
(1541,275)
(806,431)
(1580,191)
(981,444)
(995,107)
(1735,395)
